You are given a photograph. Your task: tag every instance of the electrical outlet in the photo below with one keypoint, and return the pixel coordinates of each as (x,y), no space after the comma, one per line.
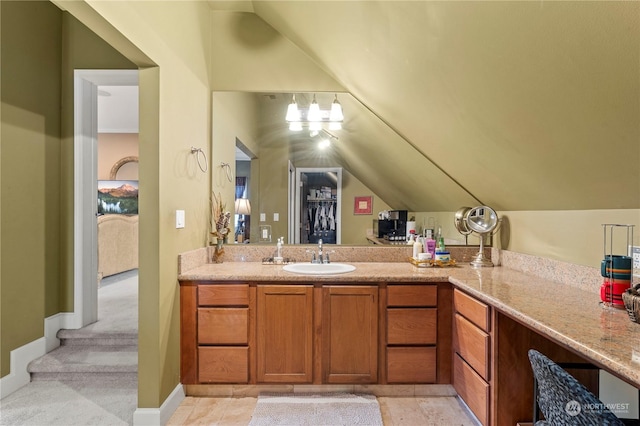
(635,254)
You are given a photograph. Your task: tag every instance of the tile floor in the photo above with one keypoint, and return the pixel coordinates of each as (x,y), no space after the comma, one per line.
(396,411)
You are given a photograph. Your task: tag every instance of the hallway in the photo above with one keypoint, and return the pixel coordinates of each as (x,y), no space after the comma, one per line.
(85,400)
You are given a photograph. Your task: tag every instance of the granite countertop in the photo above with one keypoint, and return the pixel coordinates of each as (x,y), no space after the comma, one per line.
(566,314)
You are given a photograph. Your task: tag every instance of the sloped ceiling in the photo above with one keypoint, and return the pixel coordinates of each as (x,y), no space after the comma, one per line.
(366,147)
(527,105)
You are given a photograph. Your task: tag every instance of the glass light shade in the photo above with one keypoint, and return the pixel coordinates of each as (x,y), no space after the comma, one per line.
(293,113)
(324,143)
(336,111)
(315,125)
(242,206)
(295,126)
(314,111)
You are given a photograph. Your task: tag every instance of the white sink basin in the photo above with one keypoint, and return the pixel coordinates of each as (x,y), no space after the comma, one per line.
(319,268)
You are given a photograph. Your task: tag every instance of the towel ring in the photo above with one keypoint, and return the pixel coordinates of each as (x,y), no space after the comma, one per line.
(199,151)
(227,170)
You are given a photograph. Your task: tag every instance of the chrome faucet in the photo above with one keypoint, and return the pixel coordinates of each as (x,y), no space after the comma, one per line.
(323,256)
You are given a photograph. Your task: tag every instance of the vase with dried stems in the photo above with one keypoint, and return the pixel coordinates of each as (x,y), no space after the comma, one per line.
(220,225)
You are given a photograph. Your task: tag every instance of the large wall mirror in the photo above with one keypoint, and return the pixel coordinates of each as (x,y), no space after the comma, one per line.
(376,162)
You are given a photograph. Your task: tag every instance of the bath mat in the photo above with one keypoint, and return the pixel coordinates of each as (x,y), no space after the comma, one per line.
(316,409)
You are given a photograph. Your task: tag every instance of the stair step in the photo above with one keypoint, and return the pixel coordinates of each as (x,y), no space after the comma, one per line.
(81,337)
(118,378)
(79,362)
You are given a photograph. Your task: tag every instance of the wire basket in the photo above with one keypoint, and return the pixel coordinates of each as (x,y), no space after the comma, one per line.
(631,299)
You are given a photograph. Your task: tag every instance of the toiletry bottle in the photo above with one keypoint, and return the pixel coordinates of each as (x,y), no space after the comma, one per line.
(441,246)
(417,248)
(431,246)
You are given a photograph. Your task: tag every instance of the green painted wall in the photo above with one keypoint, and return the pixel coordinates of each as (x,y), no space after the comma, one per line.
(41,46)
(30,171)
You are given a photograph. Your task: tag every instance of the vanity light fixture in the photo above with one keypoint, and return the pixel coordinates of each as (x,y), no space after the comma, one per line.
(314,116)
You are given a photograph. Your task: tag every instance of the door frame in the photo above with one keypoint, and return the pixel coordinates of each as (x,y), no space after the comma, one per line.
(298,199)
(85,209)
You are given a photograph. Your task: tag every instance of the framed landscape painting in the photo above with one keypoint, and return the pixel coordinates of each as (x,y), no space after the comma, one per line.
(117,197)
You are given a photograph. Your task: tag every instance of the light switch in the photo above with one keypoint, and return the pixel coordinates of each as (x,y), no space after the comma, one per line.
(263,217)
(179,219)
(276,217)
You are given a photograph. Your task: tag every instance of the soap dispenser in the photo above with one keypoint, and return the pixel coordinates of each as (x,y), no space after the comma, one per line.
(278,258)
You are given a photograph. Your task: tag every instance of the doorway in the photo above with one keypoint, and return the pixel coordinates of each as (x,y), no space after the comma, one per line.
(86,89)
(318,203)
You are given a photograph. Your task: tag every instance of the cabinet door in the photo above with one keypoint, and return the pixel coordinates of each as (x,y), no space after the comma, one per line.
(284,327)
(350,334)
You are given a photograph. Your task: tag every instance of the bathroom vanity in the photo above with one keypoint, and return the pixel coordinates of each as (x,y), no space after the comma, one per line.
(316,332)
(391,328)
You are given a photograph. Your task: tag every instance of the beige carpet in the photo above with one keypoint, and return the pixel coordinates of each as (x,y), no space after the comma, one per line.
(316,409)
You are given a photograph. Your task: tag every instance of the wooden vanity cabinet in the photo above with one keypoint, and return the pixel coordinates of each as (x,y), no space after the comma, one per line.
(315,333)
(472,328)
(411,333)
(350,334)
(215,328)
(284,333)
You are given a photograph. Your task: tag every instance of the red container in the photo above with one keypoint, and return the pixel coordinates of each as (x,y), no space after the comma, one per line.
(619,287)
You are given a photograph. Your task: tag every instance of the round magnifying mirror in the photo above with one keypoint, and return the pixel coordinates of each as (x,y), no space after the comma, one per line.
(482,219)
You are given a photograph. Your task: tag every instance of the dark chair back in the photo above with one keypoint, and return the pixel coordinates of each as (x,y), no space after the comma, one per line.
(565,401)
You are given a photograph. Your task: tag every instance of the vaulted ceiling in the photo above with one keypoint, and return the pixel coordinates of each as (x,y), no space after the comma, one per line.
(523,105)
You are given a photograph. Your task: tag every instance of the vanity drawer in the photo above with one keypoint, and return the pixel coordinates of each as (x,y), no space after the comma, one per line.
(223,364)
(471,388)
(411,365)
(472,344)
(472,309)
(223,326)
(412,295)
(223,295)
(412,326)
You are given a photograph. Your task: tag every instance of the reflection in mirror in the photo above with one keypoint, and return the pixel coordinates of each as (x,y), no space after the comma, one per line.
(376,161)
(125,169)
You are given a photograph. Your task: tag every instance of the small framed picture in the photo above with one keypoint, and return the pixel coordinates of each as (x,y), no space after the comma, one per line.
(363,205)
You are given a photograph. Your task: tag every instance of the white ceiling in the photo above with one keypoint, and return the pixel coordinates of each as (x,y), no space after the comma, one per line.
(117,109)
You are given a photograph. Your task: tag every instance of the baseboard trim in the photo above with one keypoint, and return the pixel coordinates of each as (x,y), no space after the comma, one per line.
(22,356)
(159,416)
(19,360)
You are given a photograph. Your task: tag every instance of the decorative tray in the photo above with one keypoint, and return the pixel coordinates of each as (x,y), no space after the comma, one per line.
(271,261)
(430,263)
